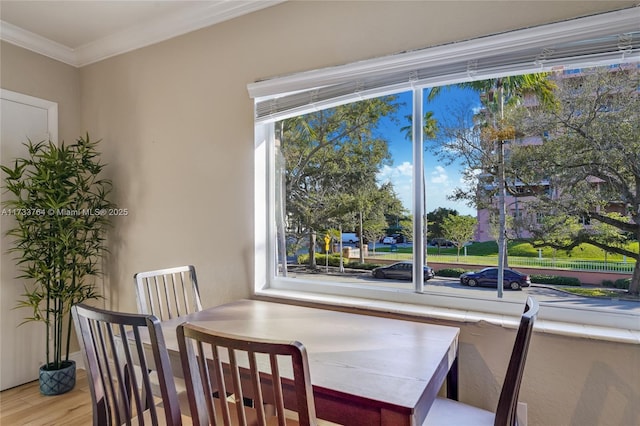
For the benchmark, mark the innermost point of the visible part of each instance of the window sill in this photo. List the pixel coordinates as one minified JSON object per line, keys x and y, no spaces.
{"x":450,"y":315}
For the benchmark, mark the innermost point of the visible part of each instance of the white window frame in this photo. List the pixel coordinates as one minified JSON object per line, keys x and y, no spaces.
{"x":265,"y":279}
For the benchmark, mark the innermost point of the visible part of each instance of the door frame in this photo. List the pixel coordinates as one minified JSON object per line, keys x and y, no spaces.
{"x":22,"y":368}
{"x":50,"y":106}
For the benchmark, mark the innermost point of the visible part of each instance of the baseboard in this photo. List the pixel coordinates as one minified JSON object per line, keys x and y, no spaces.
{"x":78,"y":358}
{"x":521,"y":413}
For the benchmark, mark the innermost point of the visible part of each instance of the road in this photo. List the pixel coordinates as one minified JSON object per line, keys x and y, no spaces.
{"x":452,"y":286}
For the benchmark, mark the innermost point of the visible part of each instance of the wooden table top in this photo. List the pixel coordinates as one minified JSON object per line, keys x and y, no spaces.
{"x":363,"y":362}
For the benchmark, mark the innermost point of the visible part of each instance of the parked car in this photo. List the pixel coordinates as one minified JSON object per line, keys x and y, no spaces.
{"x":350,"y":238}
{"x":441,"y":242}
{"x":388,"y":240}
{"x":488,"y":277}
{"x":400,"y":271}
{"x":399,"y":238}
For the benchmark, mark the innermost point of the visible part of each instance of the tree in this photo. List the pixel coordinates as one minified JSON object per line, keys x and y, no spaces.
{"x":495,"y":229}
{"x":436,"y":217}
{"x":361,"y":203}
{"x":459,"y":230}
{"x":374,"y":229}
{"x":459,"y":141}
{"x":591,"y":155}
{"x":330,"y":160}
{"x":498,"y":92}
{"x":390,"y":205}
{"x":430,"y":126}
{"x":406,"y":228}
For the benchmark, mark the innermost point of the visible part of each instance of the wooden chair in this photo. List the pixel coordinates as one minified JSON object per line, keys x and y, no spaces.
{"x":265,"y":371}
{"x":118,"y":368}
{"x":168,"y":293}
{"x":446,"y":412}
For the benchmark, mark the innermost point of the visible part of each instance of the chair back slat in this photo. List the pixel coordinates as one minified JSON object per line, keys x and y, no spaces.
{"x":113,"y":389}
{"x":277,"y":389}
{"x":124,"y":377}
{"x":238,"y":394}
{"x":258,"y":399}
{"x":119,"y":365}
{"x":168,"y":293}
{"x":156,"y":295}
{"x":146,"y":398}
{"x":241,"y":370}
{"x":508,"y":403}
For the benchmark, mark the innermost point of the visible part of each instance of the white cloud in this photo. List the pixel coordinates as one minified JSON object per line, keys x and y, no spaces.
{"x":390,"y":174}
{"x":400,"y":176}
{"x":439,"y":186}
{"x":406,"y":169}
{"x":442,"y":182}
{"x":440,"y":176}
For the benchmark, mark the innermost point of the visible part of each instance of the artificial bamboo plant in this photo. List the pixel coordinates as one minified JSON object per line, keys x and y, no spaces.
{"x":62,"y":211}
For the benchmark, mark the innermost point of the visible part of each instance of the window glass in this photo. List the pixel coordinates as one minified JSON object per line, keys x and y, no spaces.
{"x":344,"y":202}
{"x":516,"y":156}
{"x":344,"y":189}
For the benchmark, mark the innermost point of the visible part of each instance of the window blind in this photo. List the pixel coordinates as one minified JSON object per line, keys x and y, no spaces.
{"x":595,"y":40}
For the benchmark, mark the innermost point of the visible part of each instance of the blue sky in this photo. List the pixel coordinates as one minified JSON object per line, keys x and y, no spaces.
{"x":441,"y":179}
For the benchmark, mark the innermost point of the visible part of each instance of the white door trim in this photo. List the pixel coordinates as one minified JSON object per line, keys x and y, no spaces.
{"x":51,"y":107}
{"x":22,"y":351}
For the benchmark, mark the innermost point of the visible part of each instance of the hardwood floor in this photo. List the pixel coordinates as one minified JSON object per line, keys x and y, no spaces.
{"x":24,"y":405}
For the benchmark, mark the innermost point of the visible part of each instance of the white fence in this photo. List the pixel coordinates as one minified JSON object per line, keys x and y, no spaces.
{"x":567,"y":264}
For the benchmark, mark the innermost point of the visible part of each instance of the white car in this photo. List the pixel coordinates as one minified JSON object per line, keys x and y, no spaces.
{"x":350,"y":238}
{"x":388,"y":240}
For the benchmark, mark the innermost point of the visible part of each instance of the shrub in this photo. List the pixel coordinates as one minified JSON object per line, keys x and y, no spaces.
{"x":334,"y":259}
{"x":555,"y":280}
{"x":365,"y":266}
{"x":451,"y":272}
{"x":608,"y":283}
{"x":622,"y":283}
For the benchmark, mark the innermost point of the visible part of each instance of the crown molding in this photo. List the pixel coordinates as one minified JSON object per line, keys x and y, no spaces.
{"x":199,"y":16}
{"x":31,"y":41}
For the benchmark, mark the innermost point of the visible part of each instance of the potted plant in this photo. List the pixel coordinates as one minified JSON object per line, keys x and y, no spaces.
{"x":62,"y":211}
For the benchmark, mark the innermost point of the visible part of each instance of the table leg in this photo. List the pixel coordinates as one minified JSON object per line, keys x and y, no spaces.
{"x":452,"y":381}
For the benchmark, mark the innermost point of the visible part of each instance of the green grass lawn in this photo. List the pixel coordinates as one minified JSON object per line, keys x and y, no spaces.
{"x":594,"y":292}
{"x":523,"y":248}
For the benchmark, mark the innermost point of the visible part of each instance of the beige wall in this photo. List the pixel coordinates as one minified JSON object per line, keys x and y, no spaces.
{"x":35,"y":75}
{"x":176,"y":122}
{"x":567,"y":380}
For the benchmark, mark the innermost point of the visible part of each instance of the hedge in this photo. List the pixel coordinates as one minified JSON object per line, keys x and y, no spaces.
{"x":321,"y":259}
{"x":555,"y":280}
{"x":622,"y":283}
{"x":451,"y":272}
{"x":334,"y":260}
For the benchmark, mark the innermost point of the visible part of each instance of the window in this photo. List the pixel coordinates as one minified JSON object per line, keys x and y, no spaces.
{"x":348,"y":117}
{"x":345,"y":185}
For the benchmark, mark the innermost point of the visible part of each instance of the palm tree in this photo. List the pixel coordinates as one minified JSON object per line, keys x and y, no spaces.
{"x":509,"y":90}
{"x":430,"y":126}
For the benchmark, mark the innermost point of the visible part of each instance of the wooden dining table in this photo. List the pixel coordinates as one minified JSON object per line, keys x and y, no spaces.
{"x":365,"y":370}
